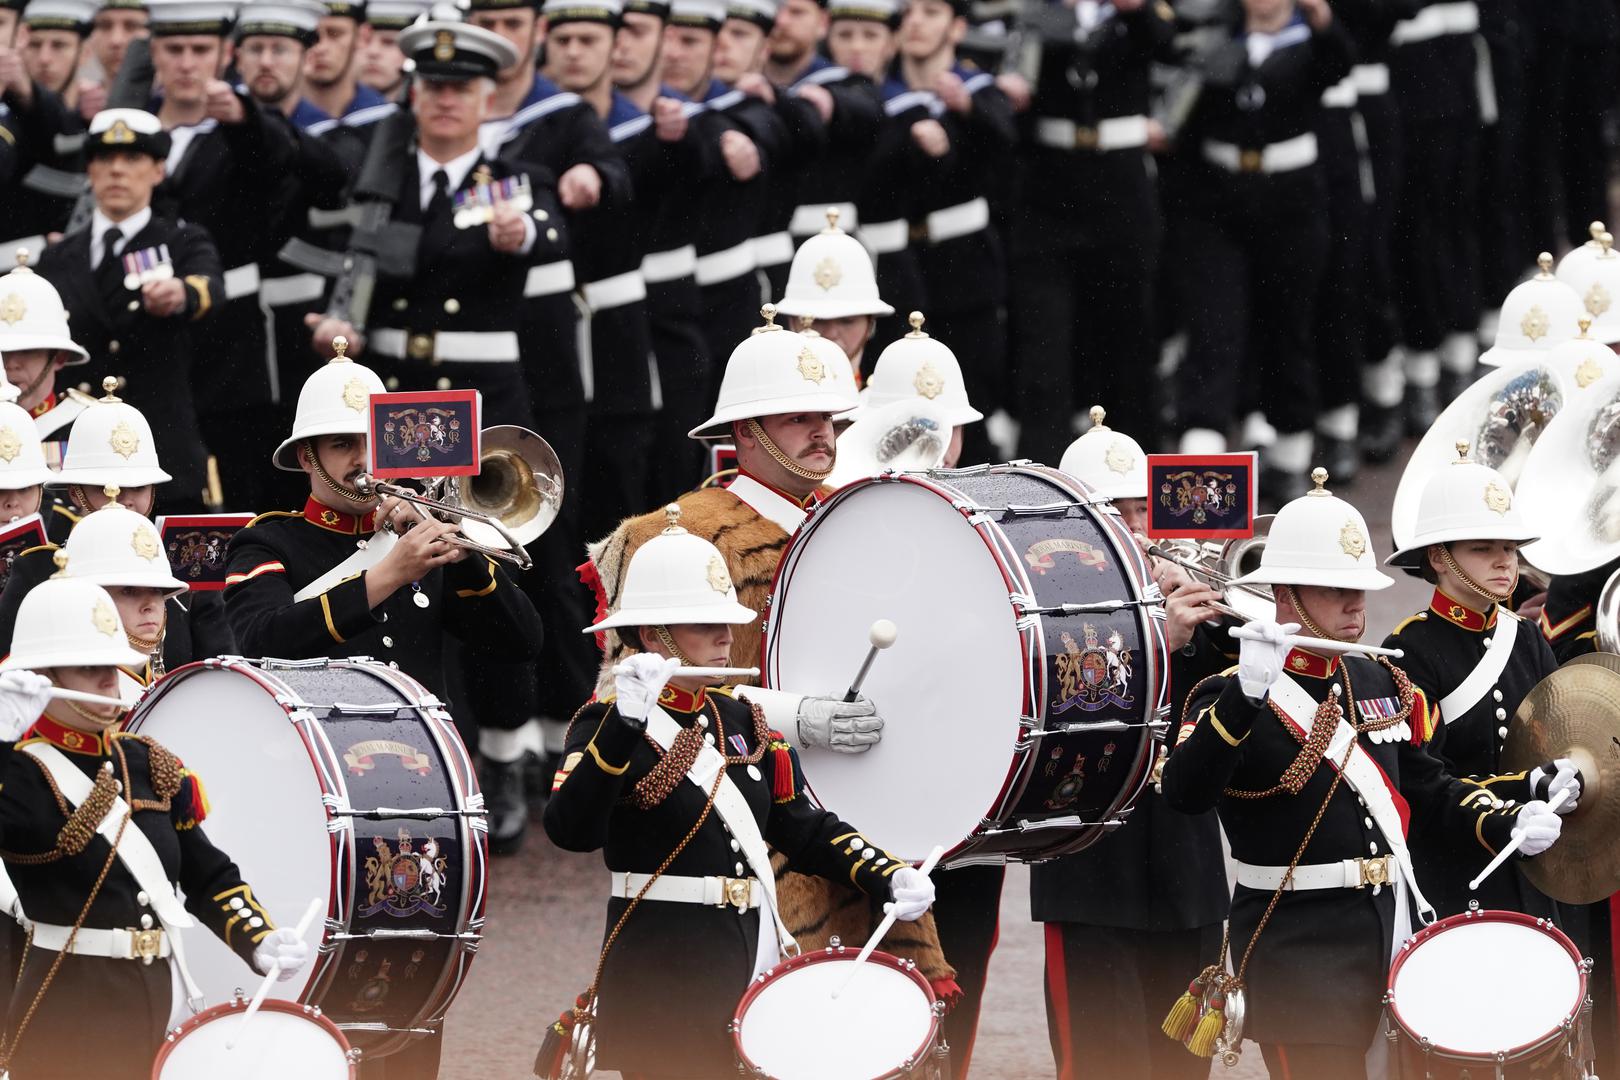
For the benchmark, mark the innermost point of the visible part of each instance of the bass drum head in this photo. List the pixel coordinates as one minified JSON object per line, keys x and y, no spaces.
{"x":1446,"y":985}
{"x":790,"y":1027}
{"x":280,"y":1040}
{"x":950,"y":689}
{"x":265,"y":808}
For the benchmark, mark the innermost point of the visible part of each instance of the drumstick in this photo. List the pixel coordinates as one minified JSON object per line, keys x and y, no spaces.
{"x":705,"y":672}
{"x":1518,"y":839}
{"x":881,"y":635}
{"x":883,"y":927}
{"x":1319,"y":644}
{"x":63,"y":694}
{"x":302,"y":928}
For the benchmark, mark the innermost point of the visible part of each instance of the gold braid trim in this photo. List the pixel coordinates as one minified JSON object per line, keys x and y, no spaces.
{"x":165,"y":768}
{"x":81,"y":825}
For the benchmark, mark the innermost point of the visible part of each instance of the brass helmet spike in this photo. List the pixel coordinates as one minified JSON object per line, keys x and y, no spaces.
{"x":1585,"y":323}
{"x":1319,"y":477}
{"x":768,"y":313}
{"x":806,"y":325}
{"x":832,"y":220}
{"x":1545,"y":261}
{"x":59,"y":557}
{"x":109,"y":385}
{"x":111,"y":491}
{"x":1462,"y":452}
{"x":1098,"y":414}
{"x":340,"y":350}
{"x":1596,"y":230}
{"x":22,"y":262}
{"x":1606,"y":241}
{"x":672,"y":520}
{"x":916,"y":321}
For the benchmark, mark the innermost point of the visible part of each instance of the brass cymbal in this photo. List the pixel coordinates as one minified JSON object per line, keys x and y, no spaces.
{"x":1575,"y":713}
{"x":1601,"y":659}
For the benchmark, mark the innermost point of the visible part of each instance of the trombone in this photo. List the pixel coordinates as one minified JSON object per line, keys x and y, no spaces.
{"x":515,"y":496}
{"x":1220,"y":565}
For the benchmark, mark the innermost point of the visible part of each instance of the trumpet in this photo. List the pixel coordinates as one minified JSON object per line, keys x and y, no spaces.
{"x":515,"y":496}
{"x":1220,"y":565}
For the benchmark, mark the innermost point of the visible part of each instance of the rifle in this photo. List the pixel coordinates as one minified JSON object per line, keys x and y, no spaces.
{"x":377,"y":240}
{"x":131,"y":89}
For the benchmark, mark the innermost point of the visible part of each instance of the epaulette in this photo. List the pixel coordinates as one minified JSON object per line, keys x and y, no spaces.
{"x":1421,"y":616}
{"x":273,"y":514}
{"x":58,"y":508}
{"x":37,"y":547}
{"x":724,"y":691}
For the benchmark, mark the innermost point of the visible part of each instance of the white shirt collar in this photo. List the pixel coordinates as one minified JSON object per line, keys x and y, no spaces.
{"x":456,"y":169}
{"x":130,"y":227}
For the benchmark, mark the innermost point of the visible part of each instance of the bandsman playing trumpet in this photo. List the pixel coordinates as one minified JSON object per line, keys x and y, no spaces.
{"x":1316,"y":760}
{"x":1474,"y":661}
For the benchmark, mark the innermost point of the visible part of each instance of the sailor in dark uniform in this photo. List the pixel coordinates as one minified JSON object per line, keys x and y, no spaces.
{"x":675,"y":966}
{"x":138,"y":284}
{"x":103,"y":918}
{"x":1325,"y":883}
{"x":1568,"y":619}
{"x":35,"y":349}
{"x":1474,"y":660}
{"x":382,"y":65}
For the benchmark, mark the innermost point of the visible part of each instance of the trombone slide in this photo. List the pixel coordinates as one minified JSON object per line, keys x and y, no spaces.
{"x":1325,"y":644}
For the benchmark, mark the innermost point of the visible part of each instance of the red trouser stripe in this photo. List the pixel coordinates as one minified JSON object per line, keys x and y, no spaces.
{"x":1057,"y":987}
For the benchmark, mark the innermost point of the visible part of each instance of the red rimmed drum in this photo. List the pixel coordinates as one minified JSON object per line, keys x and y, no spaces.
{"x":1454,"y":1015}
{"x":282,"y":1039}
{"x":1025,"y":694}
{"x":883,"y":1025}
{"x":344,"y":780}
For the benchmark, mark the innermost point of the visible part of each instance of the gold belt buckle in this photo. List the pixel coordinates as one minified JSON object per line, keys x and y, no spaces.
{"x":1374,"y":872}
{"x":736,"y":892}
{"x":1085,"y":138}
{"x":420,"y":347}
{"x":1250,"y":161}
{"x":145,"y":945}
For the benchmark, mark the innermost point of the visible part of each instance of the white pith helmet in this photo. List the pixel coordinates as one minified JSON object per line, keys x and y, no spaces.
{"x":676,"y":578}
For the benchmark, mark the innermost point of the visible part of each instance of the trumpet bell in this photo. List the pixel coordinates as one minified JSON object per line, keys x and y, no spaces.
{"x":519,"y":482}
{"x":1606,"y":615}
{"x":1571,"y":484}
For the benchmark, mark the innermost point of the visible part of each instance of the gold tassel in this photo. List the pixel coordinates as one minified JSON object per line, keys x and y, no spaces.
{"x":1178,"y":1023}
{"x":1210,"y":1026}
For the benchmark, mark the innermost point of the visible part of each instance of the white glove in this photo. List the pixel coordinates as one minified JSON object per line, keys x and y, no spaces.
{"x":1263,"y":650}
{"x":1540,"y":827}
{"x":23,"y":697}
{"x":913,"y":894}
{"x":639,"y":680}
{"x":1546,"y":781}
{"x":283,"y":947}
{"x":849,"y":727}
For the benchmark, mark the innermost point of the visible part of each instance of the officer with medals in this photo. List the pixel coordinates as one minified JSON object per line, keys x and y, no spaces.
{"x":136,"y":282}
{"x":1127,"y":918}
{"x":99,"y":828}
{"x":635,"y":779}
{"x":1474,"y":661}
{"x":1308,"y":754}
{"x":35,"y":346}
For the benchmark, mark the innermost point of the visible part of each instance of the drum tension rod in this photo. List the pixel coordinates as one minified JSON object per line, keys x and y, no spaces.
{"x":1028,"y":606}
{"x":404,"y":935}
{"x":421,"y":813}
{"x":1101,"y":725}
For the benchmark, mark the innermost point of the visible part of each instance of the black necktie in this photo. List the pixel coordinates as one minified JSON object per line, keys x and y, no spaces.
{"x":109,"y":272}
{"x":439,"y":204}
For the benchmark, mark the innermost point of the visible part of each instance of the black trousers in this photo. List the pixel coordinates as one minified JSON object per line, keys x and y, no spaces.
{"x":1107,"y":992}
{"x":1083,"y":336}
{"x":568,"y":659}
{"x":128,"y":1000}
{"x":686,"y":372}
{"x":1341,"y":302}
{"x":1436,"y":241}
{"x":618,"y":470}
{"x":1250,"y":274}
{"x":967,"y":912}
{"x":1509,"y":191}
{"x":978,"y":337}
{"x":730,"y":313}
{"x":418,"y":1061}
{"x":1383,"y":326}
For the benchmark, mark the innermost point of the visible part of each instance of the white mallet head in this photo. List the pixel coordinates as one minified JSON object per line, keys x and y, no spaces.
{"x":882,"y":634}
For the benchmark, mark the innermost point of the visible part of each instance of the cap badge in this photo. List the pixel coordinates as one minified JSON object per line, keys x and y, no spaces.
{"x":356,"y":394}
{"x":10,"y":445}
{"x":1299,"y":663}
{"x":1351,"y":542}
{"x":145,"y":544}
{"x":123,"y":440}
{"x":1597,"y":299}
{"x":719,"y":577}
{"x":1535,"y":323}
{"x":117,"y":135}
{"x":929,"y":382}
{"x":1119,"y":458}
{"x":13,"y":309}
{"x":1588,"y":373}
{"x":828,"y":273}
{"x":444,"y":46}
{"x":810,"y":366}
{"x":104,"y":618}
{"x":1498,"y":498}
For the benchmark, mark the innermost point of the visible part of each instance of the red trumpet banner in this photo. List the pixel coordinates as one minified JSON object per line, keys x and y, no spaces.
{"x":1202,"y":496}
{"x":196,"y":545}
{"x":415,"y":435}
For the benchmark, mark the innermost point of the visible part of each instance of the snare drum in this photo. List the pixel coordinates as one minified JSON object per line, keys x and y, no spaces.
{"x":282,"y":1039}
{"x":1488,"y":994}
{"x":1025,"y":694}
{"x":344,"y":780}
{"x":885,"y":1024}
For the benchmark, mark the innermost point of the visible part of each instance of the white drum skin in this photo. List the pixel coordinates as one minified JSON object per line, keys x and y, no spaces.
{"x":282,"y":1039}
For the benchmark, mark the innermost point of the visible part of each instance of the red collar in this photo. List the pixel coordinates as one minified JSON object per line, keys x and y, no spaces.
{"x":72,"y":739}
{"x":1465,"y":617}
{"x":323,"y":516}
{"x":43,"y":407}
{"x":674,"y":699}
{"x":803,"y":504}
{"x":1317,"y":666}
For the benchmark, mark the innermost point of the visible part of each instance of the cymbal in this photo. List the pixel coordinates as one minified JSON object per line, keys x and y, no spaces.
{"x":1573,"y":713}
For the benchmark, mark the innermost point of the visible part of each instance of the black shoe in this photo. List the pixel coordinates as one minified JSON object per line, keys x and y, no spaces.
{"x":1451,"y":384}
{"x":1279,"y":487}
{"x":1340,"y":457}
{"x":506,"y":800}
{"x":1422,"y":409}
{"x":1379,"y":433}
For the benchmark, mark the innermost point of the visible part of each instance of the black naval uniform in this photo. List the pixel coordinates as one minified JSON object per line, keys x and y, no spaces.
{"x":1127,"y":920}
{"x":1569,"y":617}
{"x":103,"y":1017}
{"x":52,"y":178}
{"x":674,"y":975}
{"x":1442,"y":646}
{"x":1318,"y":975}
{"x":158,"y":356}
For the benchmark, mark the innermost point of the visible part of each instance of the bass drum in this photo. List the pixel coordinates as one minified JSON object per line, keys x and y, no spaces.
{"x":1025,"y":695}
{"x":343,"y":780}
